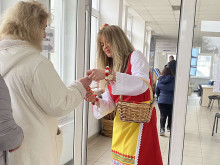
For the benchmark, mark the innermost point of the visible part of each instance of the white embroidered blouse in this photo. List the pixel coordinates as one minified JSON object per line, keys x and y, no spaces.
{"x":125,"y":84}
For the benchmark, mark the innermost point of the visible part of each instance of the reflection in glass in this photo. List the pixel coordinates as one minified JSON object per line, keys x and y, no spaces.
{"x":204,"y":66}
{"x":63,"y":59}
{"x":193,"y":71}
{"x":152,"y":25}
{"x":210,"y":26}
{"x":200,"y":147}
{"x":193,"y":61}
{"x":94,"y":29}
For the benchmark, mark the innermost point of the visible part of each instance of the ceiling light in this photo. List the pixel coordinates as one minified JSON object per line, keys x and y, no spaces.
{"x":210,"y":26}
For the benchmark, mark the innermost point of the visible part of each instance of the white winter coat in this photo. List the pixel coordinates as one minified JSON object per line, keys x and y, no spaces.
{"x":38,"y":97}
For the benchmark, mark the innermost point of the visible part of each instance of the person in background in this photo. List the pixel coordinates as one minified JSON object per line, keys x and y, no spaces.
{"x":11,"y":135}
{"x":172,"y":65}
{"x":38,"y":95}
{"x":122,"y":67}
{"x":165,"y":94}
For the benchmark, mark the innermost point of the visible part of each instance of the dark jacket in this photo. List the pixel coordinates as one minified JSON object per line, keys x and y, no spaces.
{"x":11,"y":135}
{"x":172,"y":66}
{"x":165,"y":89}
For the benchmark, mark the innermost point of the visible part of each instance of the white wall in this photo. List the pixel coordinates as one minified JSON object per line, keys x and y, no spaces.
{"x":138,"y":30}
{"x":109,"y":11}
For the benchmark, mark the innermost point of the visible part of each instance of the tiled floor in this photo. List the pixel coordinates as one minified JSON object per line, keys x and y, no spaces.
{"x":200,"y":148}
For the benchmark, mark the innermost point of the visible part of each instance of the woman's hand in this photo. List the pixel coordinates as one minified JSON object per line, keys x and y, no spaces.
{"x":90,"y":97}
{"x":85,"y":82}
{"x":96,"y":74}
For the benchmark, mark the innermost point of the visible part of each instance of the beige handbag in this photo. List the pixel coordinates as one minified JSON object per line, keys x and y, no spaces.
{"x":136,"y":112}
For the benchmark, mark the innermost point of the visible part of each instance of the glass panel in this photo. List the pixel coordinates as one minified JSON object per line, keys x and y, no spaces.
{"x":193,"y":71}
{"x":62,"y":55}
{"x":163,"y":24}
{"x":204,"y":66}
{"x":129,"y":27}
{"x":95,"y":4}
{"x":94,"y":29}
{"x":194,"y":61}
{"x":195,"y":52}
{"x":93,"y":58}
{"x":129,"y":24}
{"x":200,"y":147}
{"x":64,"y":15}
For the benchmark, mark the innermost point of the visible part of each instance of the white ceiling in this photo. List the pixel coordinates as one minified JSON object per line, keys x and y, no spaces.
{"x":164,"y":21}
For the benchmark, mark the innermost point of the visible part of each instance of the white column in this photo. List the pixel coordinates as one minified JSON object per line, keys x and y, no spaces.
{"x":125,"y":18}
{"x":85,"y":109}
{"x":148,"y":45}
{"x":80,"y":53}
{"x":145,"y":41}
{"x":182,"y":78}
{"x":120,"y":13}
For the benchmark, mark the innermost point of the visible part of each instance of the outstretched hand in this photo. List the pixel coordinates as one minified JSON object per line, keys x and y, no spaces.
{"x":85,"y":82}
{"x":96,"y":74}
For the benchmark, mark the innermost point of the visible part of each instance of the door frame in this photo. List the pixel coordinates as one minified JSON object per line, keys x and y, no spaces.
{"x":185,"y":40}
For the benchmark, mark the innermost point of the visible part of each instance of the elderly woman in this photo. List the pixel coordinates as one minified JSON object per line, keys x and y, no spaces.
{"x":38,"y":95}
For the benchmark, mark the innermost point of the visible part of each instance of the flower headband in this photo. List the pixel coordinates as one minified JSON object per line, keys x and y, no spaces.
{"x":101,"y":27}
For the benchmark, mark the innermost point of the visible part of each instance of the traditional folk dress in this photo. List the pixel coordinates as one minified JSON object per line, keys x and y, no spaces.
{"x":132,"y":143}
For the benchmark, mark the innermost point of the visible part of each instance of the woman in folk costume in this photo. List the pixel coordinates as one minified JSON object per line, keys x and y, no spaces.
{"x":132,"y":143}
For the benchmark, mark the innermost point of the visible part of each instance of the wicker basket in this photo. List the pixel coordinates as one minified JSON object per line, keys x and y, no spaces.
{"x":107,"y":127}
{"x":136,"y":112}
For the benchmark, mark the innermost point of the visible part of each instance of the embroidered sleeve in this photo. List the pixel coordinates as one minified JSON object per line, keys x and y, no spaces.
{"x":132,"y":85}
{"x":107,"y":105}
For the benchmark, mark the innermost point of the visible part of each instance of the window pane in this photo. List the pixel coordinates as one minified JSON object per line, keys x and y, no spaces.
{"x":192,"y":71}
{"x":64,"y":24}
{"x":94,"y":29}
{"x":193,"y":61}
{"x":129,"y":24}
{"x":204,"y":66}
{"x":195,"y":52}
{"x":95,"y":4}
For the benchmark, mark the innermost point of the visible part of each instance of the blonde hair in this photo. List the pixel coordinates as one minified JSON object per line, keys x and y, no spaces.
{"x":24,"y":21}
{"x":121,"y":48}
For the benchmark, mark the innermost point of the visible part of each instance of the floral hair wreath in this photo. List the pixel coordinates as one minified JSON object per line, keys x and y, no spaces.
{"x":102,"y":26}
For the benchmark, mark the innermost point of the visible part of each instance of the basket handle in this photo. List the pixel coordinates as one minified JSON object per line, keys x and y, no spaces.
{"x":149,"y":86}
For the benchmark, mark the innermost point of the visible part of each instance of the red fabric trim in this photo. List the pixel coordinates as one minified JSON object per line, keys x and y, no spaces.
{"x":149,"y":152}
{"x":126,"y":156}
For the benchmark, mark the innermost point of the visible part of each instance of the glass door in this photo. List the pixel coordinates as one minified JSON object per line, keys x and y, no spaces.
{"x":63,"y":29}
{"x":202,"y":138}
{"x":60,"y":48}
{"x":181,"y":81}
